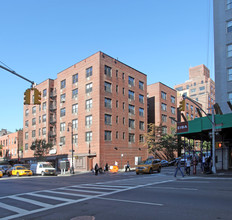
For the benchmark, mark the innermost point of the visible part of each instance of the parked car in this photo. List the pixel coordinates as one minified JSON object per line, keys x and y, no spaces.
{"x":149,"y":166}
{"x":164,"y":163}
{"x":19,"y":171}
{"x":4,"y":168}
{"x":43,"y":168}
{"x":26,"y":165}
{"x":1,"y":174}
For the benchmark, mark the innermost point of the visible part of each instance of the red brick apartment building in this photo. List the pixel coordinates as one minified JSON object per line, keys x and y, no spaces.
{"x":103,"y":103}
{"x":162,"y":107}
{"x":11,"y":144}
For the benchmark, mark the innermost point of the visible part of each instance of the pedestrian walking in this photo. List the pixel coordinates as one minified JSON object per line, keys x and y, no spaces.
{"x":178,"y":167}
{"x":188,"y":165}
{"x":203,"y":163}
{"x":106,"y":167}
{"x":127,"y":166}
{"x":96,"y":168}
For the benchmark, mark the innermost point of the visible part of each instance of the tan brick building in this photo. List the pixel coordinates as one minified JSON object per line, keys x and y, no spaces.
{"x":12,"y":144}
{"x":103,"y":102}
{"x":200,"y":87}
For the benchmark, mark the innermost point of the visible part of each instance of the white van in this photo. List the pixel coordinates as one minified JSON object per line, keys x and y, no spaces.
{"x":43,"y":168}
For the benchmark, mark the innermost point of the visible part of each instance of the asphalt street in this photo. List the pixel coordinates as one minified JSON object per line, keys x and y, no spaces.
{"x":117,"y":196}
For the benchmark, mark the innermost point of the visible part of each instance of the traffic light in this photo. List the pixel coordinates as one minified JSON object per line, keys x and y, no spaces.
{"x":27,"y":97}
{"x":182,"y":105}
{"x":37,"y":97}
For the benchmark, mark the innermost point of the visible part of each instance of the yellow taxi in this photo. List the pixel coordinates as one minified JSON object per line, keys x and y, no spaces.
{"x":1,"y":173}
{"x":149,"y":166}
{"x":19,"y":171}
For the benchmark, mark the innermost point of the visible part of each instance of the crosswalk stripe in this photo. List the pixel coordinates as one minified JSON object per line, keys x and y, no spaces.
{"x":97,"y":187}
{"x":51,"y":197}
{"x":31,"y":201}
{"x":106,"y":186}
{"x":80,"y":190}
{"x":70,"y":194}
{"x":13,"y":208}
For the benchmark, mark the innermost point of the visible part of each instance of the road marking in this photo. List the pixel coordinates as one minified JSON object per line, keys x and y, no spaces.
{"x":80,"y":190}
{"x":68,"y":194}
{"x":50,"y":197}
{"x":190,"y":181}
{"x":14,"y":209}
{"x":130,"y":201}
{"x":106,"y":185}
{"x":31,"y":201}
{"x":175,"y":188}
{"x":97,"y":187}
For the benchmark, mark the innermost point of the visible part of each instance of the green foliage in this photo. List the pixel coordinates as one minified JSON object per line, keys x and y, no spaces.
{"x":40,"y":148}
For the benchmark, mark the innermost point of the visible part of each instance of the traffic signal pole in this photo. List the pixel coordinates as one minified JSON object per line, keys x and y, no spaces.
{"x":13,"y":72}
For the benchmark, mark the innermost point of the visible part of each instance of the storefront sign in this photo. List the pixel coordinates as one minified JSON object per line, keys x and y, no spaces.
{"x":182,"y":127}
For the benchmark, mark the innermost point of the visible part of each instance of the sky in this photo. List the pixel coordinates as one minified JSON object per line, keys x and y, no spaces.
{"x":38,"y":39}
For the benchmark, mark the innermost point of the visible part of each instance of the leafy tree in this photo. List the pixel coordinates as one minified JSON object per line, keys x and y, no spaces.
{"x":40,"y":148}
{"x":153,"y":136}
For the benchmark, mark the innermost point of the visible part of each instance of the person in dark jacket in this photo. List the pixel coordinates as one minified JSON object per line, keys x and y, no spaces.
{"x":96,"y":168}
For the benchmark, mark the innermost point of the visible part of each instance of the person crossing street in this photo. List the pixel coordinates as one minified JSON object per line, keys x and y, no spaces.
{"x":178,"y":167}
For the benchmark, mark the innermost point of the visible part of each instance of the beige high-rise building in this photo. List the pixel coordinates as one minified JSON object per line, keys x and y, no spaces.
{"x":200,"y":87}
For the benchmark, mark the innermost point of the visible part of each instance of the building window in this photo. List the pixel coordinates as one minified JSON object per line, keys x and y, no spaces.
{"x":123,"y":91}
{"x":88,"y":120}
{"x":141,"y":125}
{"x":74,"y":93}
{"x":117,"y":119}
{"x":39,"y":131}
{"x":108,"y":119}
{"x":131,"y":123}
{"x":33,"y":121}
{"x":173,"y":99}
{"x":108,"y":87}
{"x":62,"y":140}
{"x":230,"y":74}
{"x":179,"y":88}
{"x":187,"y":106}
{"x":141,"y":85}
{"x":74,"y":108}
{"x":229,"y":4}
{"x":187,"y":87}
{"x":88,"y":136}
{"x":123,"y":135}
{"x":26,"y":124}
{"x":62,"y":126}
{"x":229,"y":50}
{"x":75,"y":124}
{"x":123,"y":76}
{"x":131,"y":137}
{"x":131,"y":81}
{"x":44,"y":118}
{"x":173,"y":110}
{"x":33,"y":109}
{"x":26,"y":146}
{"x":117,"y":88}
{"x":116,"y":73}
{"x":39,"y":119}
{"x":141,"y":98}
{"x":131,"y":95}
{"x":44,"y":92}
{"x":116,"y":134}
{"x":141,"y":112}
{"x":191,"y":108}
{"x":62,"y":98}
{"x":26,"y":112}
{"x":44,"y":106}
{"x":75,"y":138}
{"x":191,"y":116}
{"x":108,"y":71}
{"x":123,"y":120}
{"x":164,"y":107}
{"x":108,"y":103}
{"x":63,"y":84}
{"x":44,"y":131}
{"x":33,"y":133}
{"x":26,"y":136}
{"x":62,"y":112}
{"x":116,"y":103}
{"x":230,"y":97}
{"x":89,"y":72}
{"x":131,"y":109}
{"x":201,"y":88}
{"x":141,"y":138}
{"x":88,"y":88}
{"x":164,"y":130}
{"x":173,"y":121}
{"x":164,"y":118}
{"x":75,"y":78}
{"x":88,"y":104}
{"x":193,"y":90}
{"x":108,"y":135}
{"x":163,"y":95}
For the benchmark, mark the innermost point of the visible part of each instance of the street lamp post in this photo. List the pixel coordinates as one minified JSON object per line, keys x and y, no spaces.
{"x":71,"y":125}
